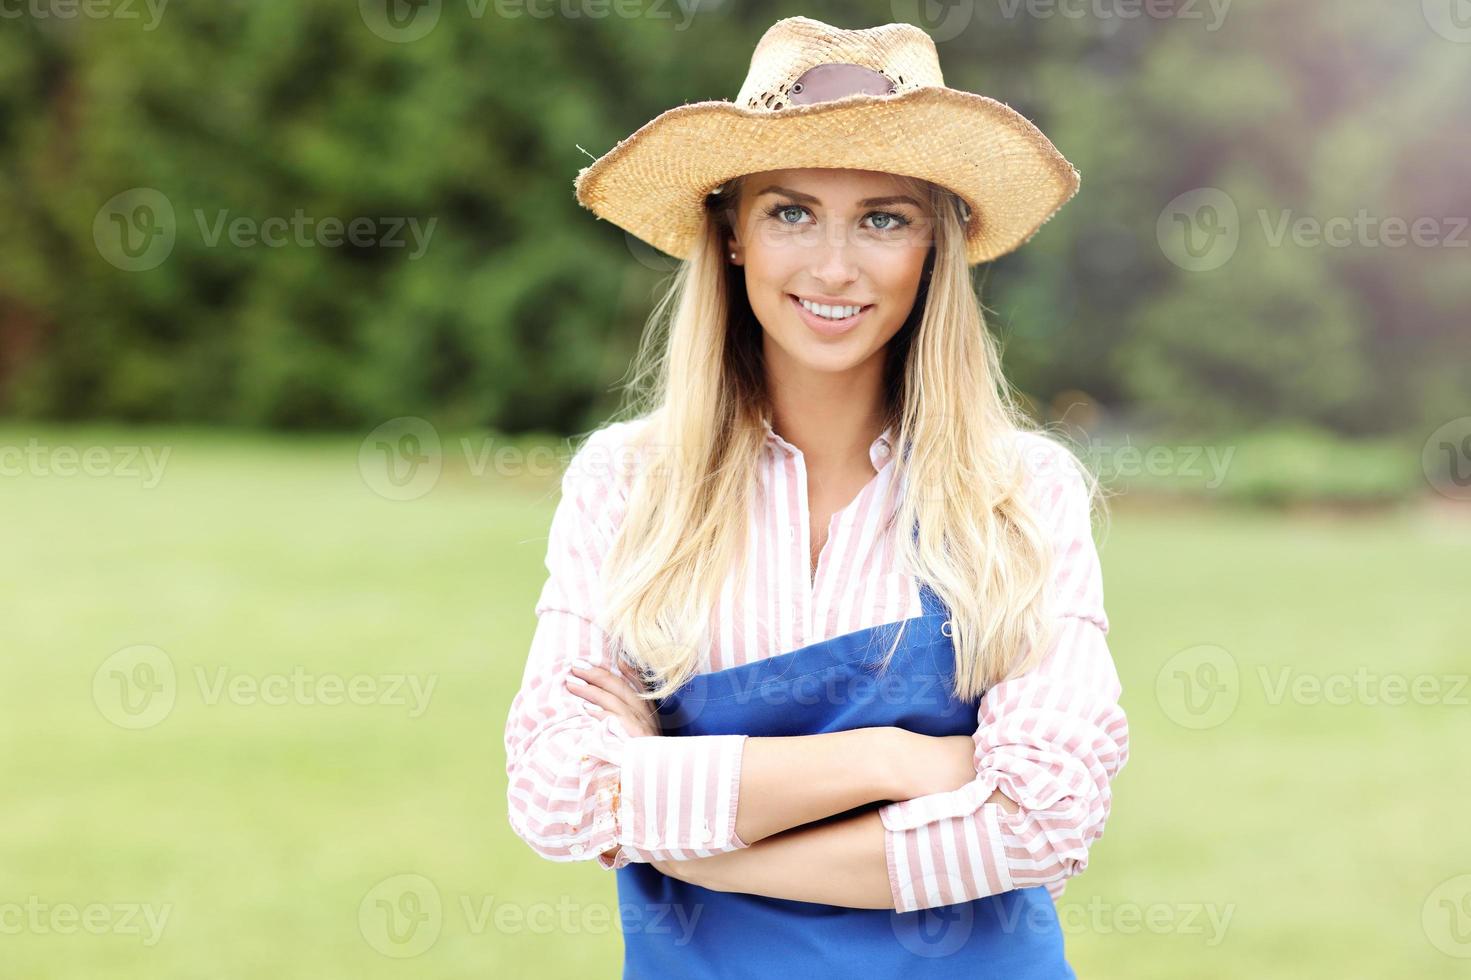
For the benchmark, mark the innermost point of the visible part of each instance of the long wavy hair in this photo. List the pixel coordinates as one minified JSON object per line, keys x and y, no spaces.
{"x":700,"y":395}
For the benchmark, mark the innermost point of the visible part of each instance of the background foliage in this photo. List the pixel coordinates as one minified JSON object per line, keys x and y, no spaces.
{"x":523,"y":309}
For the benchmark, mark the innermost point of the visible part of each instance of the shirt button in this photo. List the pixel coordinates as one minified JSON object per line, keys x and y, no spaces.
{"x":883,"y":449}
{"x":705,"y":833}
{"x":577,"y":849}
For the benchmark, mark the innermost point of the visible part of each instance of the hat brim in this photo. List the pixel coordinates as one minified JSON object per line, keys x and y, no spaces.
{"x":653,"y":183}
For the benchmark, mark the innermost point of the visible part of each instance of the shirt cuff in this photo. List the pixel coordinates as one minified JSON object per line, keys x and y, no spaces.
{"x":953,"y":860}
{"x":674,"y":796}
{"x":911,"y":813}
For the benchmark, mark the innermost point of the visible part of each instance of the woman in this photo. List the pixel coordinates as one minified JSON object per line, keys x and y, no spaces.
{"x":822,"y":646}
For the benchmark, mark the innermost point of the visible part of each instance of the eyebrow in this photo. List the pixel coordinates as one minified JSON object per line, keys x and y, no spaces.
{"x":870,"y":202}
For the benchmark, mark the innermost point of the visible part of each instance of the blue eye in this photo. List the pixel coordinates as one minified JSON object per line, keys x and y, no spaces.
{"x":889,"y":220}
{"x":780,"y":209}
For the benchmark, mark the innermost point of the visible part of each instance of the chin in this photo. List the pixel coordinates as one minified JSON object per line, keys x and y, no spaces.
{"x":827,"y":358}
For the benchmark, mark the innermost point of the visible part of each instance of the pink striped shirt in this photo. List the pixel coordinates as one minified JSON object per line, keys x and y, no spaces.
{"x":1052,"y":739}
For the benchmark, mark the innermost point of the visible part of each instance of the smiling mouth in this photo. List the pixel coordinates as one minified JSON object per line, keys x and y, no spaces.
{"x":827,"y":324}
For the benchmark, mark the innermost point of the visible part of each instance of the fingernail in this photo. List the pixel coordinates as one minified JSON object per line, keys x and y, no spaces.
{"x":579,"y":662}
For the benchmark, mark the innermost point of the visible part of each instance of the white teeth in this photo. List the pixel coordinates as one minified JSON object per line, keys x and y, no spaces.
{"x":830,"y":312}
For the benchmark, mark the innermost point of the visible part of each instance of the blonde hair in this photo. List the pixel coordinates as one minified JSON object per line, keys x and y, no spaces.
{"x":700,"y":393}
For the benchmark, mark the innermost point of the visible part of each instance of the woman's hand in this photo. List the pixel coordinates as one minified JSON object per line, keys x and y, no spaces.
{"x":703,"y":872}
{"x":615,"y":694}
{"x":924,"y":764}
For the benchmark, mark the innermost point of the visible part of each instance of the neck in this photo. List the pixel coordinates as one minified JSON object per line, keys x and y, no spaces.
{"x":833,"y":417}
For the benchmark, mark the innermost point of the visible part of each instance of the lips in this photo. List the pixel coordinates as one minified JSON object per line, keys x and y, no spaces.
{"x":824,"y":326}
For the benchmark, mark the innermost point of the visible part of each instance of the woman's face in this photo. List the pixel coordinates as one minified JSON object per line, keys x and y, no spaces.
{"x":836,"y":238}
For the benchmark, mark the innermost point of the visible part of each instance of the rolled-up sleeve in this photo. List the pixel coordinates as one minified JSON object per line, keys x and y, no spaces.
{"x":1052,"y":739}
{"x":579,"y":786}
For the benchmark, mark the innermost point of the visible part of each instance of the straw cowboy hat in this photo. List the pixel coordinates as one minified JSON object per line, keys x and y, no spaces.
{"x":820,"y":96}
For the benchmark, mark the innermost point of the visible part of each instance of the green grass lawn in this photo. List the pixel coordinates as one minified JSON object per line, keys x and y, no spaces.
{"x":267,"y":816}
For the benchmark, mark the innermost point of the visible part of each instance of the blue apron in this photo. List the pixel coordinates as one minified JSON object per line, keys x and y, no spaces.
{"x":673,"y":930}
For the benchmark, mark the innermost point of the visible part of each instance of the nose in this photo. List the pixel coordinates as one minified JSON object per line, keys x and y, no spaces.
{"x":836,"y":265}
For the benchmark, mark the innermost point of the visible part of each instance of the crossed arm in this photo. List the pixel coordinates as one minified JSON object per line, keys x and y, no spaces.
{"x":790,"y":786}
{"x":840,"y":862}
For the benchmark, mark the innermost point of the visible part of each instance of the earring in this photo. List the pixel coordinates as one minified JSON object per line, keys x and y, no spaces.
{"x":732,"y":256}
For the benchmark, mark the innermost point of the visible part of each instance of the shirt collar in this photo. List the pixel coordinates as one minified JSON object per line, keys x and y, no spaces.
{"x":880,"y":451}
